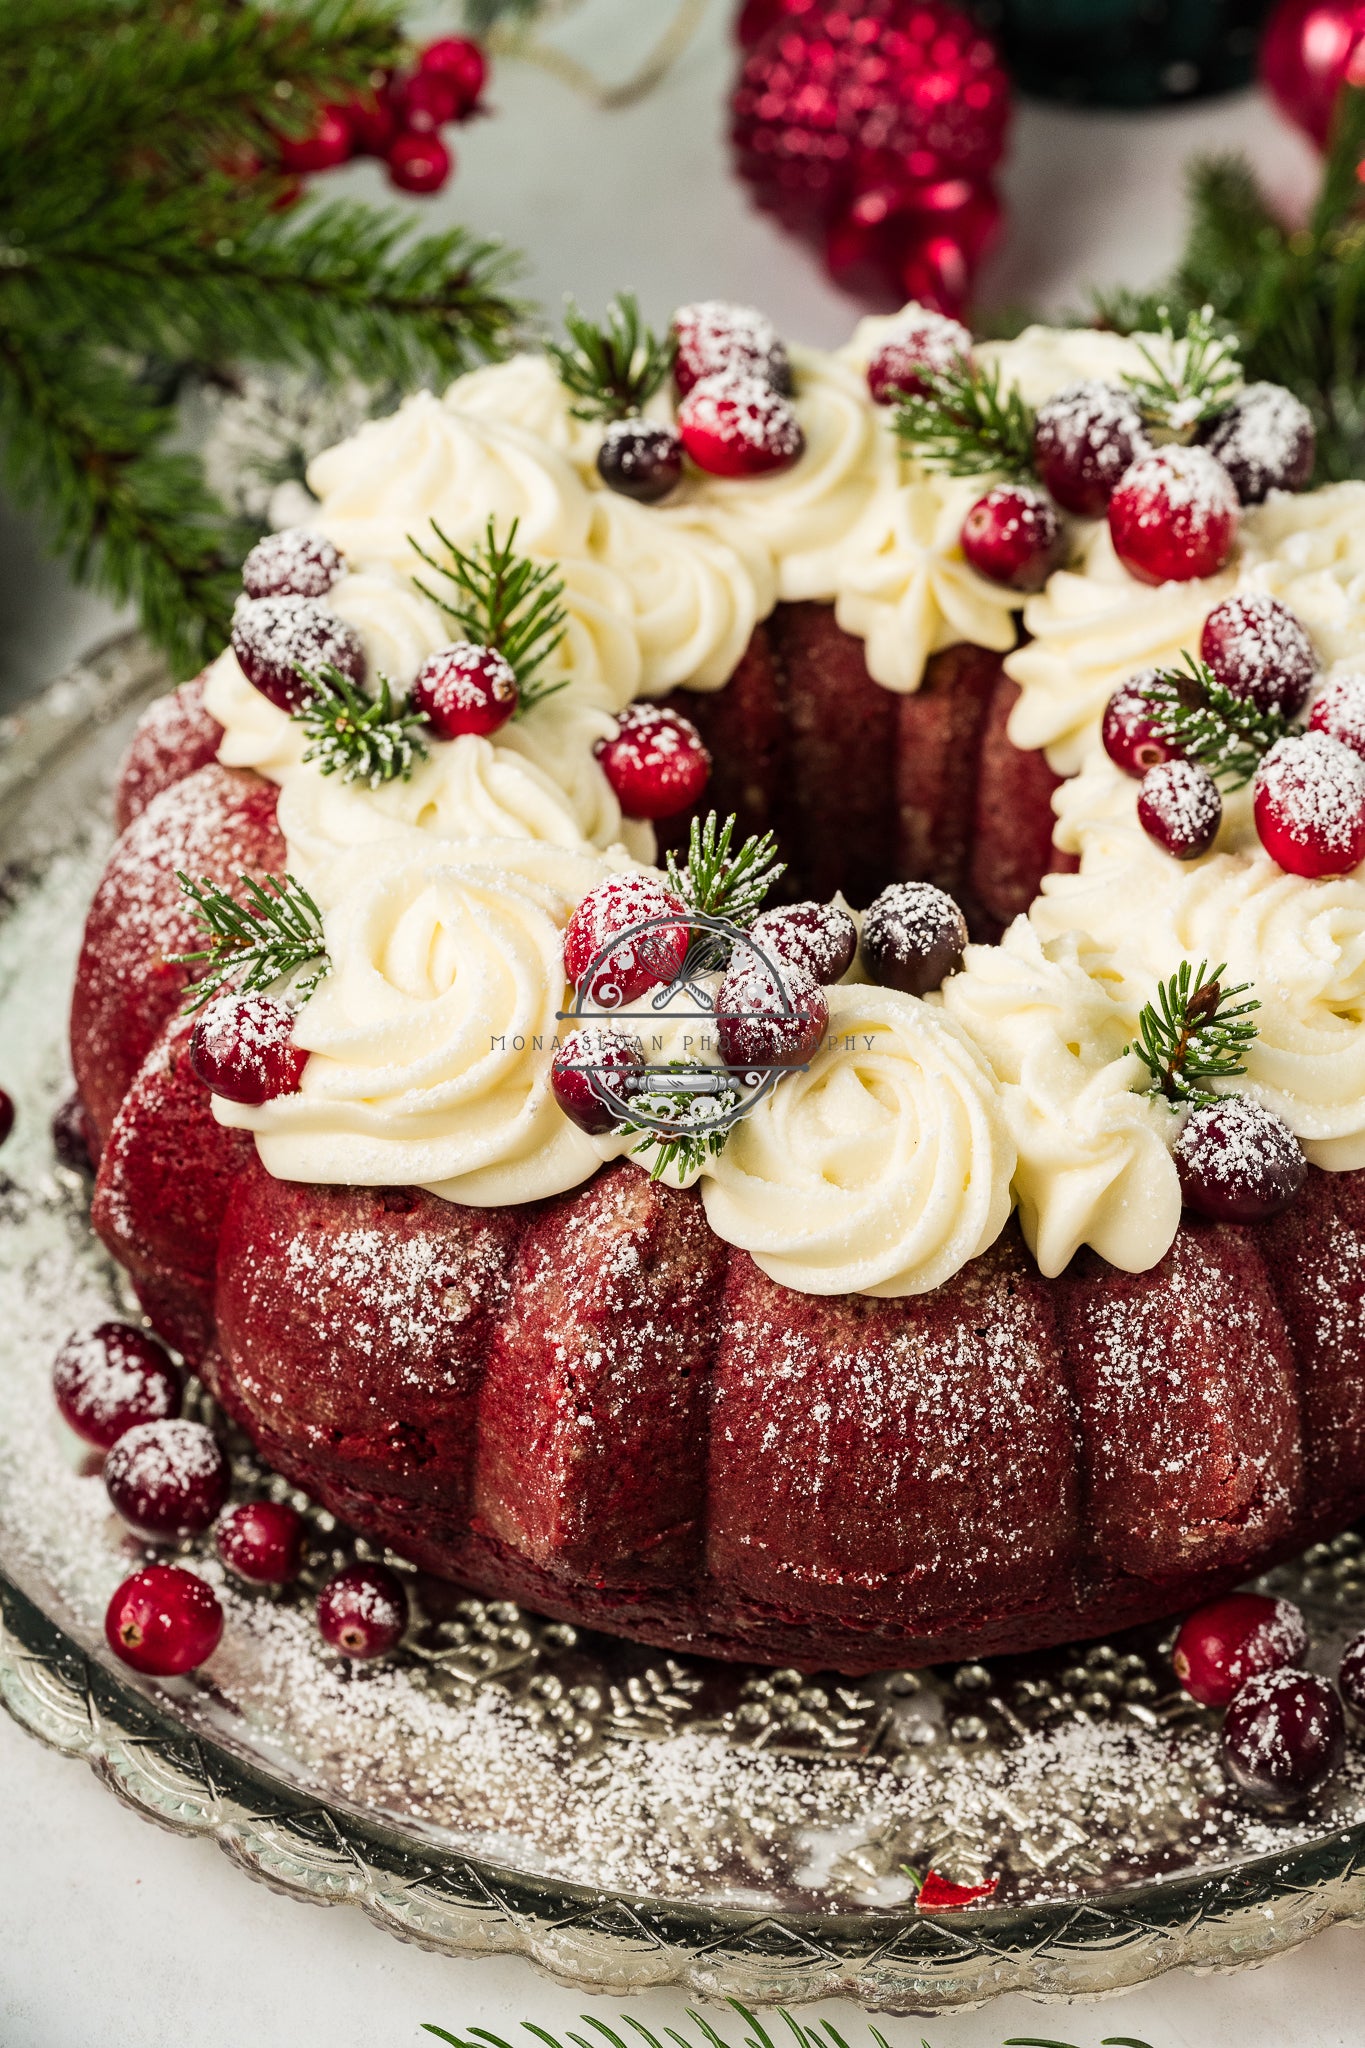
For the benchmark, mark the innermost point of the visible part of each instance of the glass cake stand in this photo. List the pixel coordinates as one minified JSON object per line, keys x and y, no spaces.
{"x":623,"y":1818}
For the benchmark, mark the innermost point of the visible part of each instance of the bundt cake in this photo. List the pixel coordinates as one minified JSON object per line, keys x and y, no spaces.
{"x":1030,"y":1302}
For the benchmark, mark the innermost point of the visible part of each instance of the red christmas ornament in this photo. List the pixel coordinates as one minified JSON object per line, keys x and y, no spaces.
{"x":873,"y":131}
{"x":1311,"y":49}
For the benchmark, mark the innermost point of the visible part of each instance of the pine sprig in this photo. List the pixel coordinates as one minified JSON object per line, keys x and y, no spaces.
{"x":613,"y":368}
{"x":363,"y":739}
{"x":964,"y":424}
{"x":1227,"y":734}
{"x":715,"y":882}
{"x":1198,"y":379}
{"x":274,"y":935}
{"x":1195,"y":1031}
{"x":697,"y":1121}
{"x":501,"y":599}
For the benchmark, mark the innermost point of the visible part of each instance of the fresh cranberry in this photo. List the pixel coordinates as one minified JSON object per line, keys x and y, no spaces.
{"x":1283,"y":1736}
{"x":583,"y":1055}
{"x":717,"y":339}
{"x":242,"y":1048}
{"x":71,"y":1136}
{"x":1221,"y":1646}
{"x":1238,"y":1162}
{"x":461,"y":64}
{"x":6,"y":1114}
{"x":767,"y":1019}
{"x":425,"y":102}
{"x":1084,"y":439}
{"x":656,"y":763}
{"x":465,"y":688}
{"x":418,"y":163}
{"x":262,"y":1541}
{"x":1173,"y":516}
{"x":1339,"y":711}
{"x":913,"y":936}
{"x":609,"y":959}
{"x":164,"y":1621}
{"x":1011,"y":535}
{"x":1351,"y":1676}
{"x":1133,"y":733}
{"x":327,"y":144}
{"x":1258,"y":650}
{"x":922,"y":343}
{"x":168,"y":1480}
{"x":736,"y":425}
{"x":820,"y":937}
{"x":363,"y":1611}
{"x":640,"y":460}
{"x":1265,"y":441}
{"x":274,"y":637}
{"x":1179,"y":807}
{"x":1309,"y":804}
{"x":109,"y":1379}
{"x":295,"y":563}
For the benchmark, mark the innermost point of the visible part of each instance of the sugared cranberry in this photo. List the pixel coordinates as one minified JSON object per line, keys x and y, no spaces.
{"x":242,"y":1048}
{"x":1258,"y":650}
{"x":765,"y":1019}
{"x":6,"y":1114}
{"x":1238,"y":1162}
{"x":1084,"y":439}
{"x":1173,"y":516}
{"x":714,"y":339}
{"x":462,"y":64}
{"x":274,"y":637}
{"x":656,"y":763}
{"x":1340,"y":712}
{"x":913,"y":936}
{"x":1010,"y":536}
{"x":1179,"y":806}
{"x":1283,"y":1736}
{"x":625,"y":937}
{"x":167,"y":1479}
{"x":821,"y":937}
{"x":71,"y":1136}
{"x":1221,"y":1646}
{"x":583,"y":1055}
{"x":465,"y":688}
{"x":1133,"y":732}
{"x":294,"y":563}
{"x":262,"y":1541}
{"x":425,"y":102}
{"x":1351,"y":1676}
{"x":109,"y":1379}
{"x":923,"y":342}
{"x":640,"y":459}
{"x":327,"y":144}
{"x":1309,"y":804}
{"x":418,"y":163}
{"x":164,"y":1621}
{"x":363,"y":1611}
{"x":1265,"y":441}
{"x":733,"y":425}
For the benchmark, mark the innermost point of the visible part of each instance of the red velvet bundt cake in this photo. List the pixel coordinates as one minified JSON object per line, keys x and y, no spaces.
{"x":1025,"y":1297}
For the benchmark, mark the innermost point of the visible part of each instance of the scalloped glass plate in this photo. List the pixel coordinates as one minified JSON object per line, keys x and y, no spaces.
{"x":623,"y":1818}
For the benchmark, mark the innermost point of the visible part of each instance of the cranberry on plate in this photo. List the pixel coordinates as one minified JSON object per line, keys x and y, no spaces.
{"x":163,"y":1621}
{"x":1221,"y":1646}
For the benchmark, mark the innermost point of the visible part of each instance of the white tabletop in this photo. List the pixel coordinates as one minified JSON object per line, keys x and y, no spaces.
{"x":113,"y":1935}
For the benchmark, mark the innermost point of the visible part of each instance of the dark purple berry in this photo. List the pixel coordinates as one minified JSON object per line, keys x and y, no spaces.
{"x":108,"y":1380}
{"x":71,"y":1137}
{"x":913,"y":936}
{"x":768,"y":1020}
{"x":6,"y":1114}
{"x":1238,"y":1161}
{"x":168,"y":1480}
{"x":1133,"y":732}
{"x":1221,"y":1646}
{"x":1258,"y":650}
{"x":274,"y":637}
{"x":164,"y":1621}
{"x":640,"y":459}
{"x":1179,"y":806}
{"x":363,"y":1611}
{"x":1011,"y":536}
{"x":583,"y":1055}
{"x":821,"y":937}
{"x":1283,"y":1736}
{"x":1084,"y":439}
{"x":1265,"y":441}
{"x":1351,"y":1676}
{"x":242,"y":1048}
{"x":262,"y":1541}
{"x":295,"y":563}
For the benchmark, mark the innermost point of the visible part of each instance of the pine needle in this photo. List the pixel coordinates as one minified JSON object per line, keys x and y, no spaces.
{"x":717,"y":883}
{"x":1196,"y":383}
{"x":503,"y":600}
{"x":1209,"y":723}
{"x":964,"y":424}
{"x":275,"y":935}
{"x":362,"y":739}
{"x":1195,"y":1031}
{"x":613,"y":368}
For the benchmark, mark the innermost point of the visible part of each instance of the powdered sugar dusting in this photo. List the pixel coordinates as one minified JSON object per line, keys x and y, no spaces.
{"x":1316,"y":788}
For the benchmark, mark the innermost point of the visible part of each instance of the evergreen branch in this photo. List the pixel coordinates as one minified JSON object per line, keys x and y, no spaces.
{"x":1225,"y":733}
{"x":502,"y":600}
{"x":613,"y":369}
{"x":1199,"y":381}
{"x":820,"y":2034}
{"x":694,"y":1129}
{"x":360,"y":738}
{"x":1195,"y":1031}
{"x":716,"y":883}
{"x":964,"y":424}
{"x":276,"y":933}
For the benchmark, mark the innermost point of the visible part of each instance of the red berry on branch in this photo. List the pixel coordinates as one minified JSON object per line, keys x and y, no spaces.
{"x":109,"y":1379}
{"x":767,"y":1019}
{"x":820,"y":937}
{"x":1084,"y":439}
{"x":262,"y":1541}
{"x":294,"y":563}
{"x":714,"y":338}
{"x":274,"y":637}
{"x":363,"y":1611}
{"x":625,"y":937}
{"x":1258,"y":650}
{"x":425,"y":102}
{"x":242,"y":1048}
{"x":1221,"y":1646}
{"x":734,"y":425}
{"x":168,"y":1480}
{"x":657,"y":762}
{"x":461,"y":64}
{"x":328,"y":143}
{"x":1173,"y":516}
{"x":1339,"y":711}
{"x":924,"y":342}
{"x":1238,"y":1162}
{"x":1284,"y":1736}
{"x":419,"y":163}
{"x":465,"y":689}
{"x":913,"y":937}
{"x":1309,"y":804}
{"x":1132,"y":731}
{"x":1265,"y":441}
{"x":584,"y":1054}
{"x":1179,"y":807}
{"x":373,"y":116}
{"x":1011,"y":536}
{"x":164,"y":1621}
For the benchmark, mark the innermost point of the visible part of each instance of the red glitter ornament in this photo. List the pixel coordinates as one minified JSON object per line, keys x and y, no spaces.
{"x":1311,"y":49}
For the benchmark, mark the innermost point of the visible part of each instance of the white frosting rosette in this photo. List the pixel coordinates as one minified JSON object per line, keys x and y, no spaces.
{"x":526,"y":390}
{"x":697,"y":584}
{"x":882,"y":1168}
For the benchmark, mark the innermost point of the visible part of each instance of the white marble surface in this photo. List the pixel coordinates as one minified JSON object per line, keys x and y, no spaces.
{"x":114,"y":1934}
